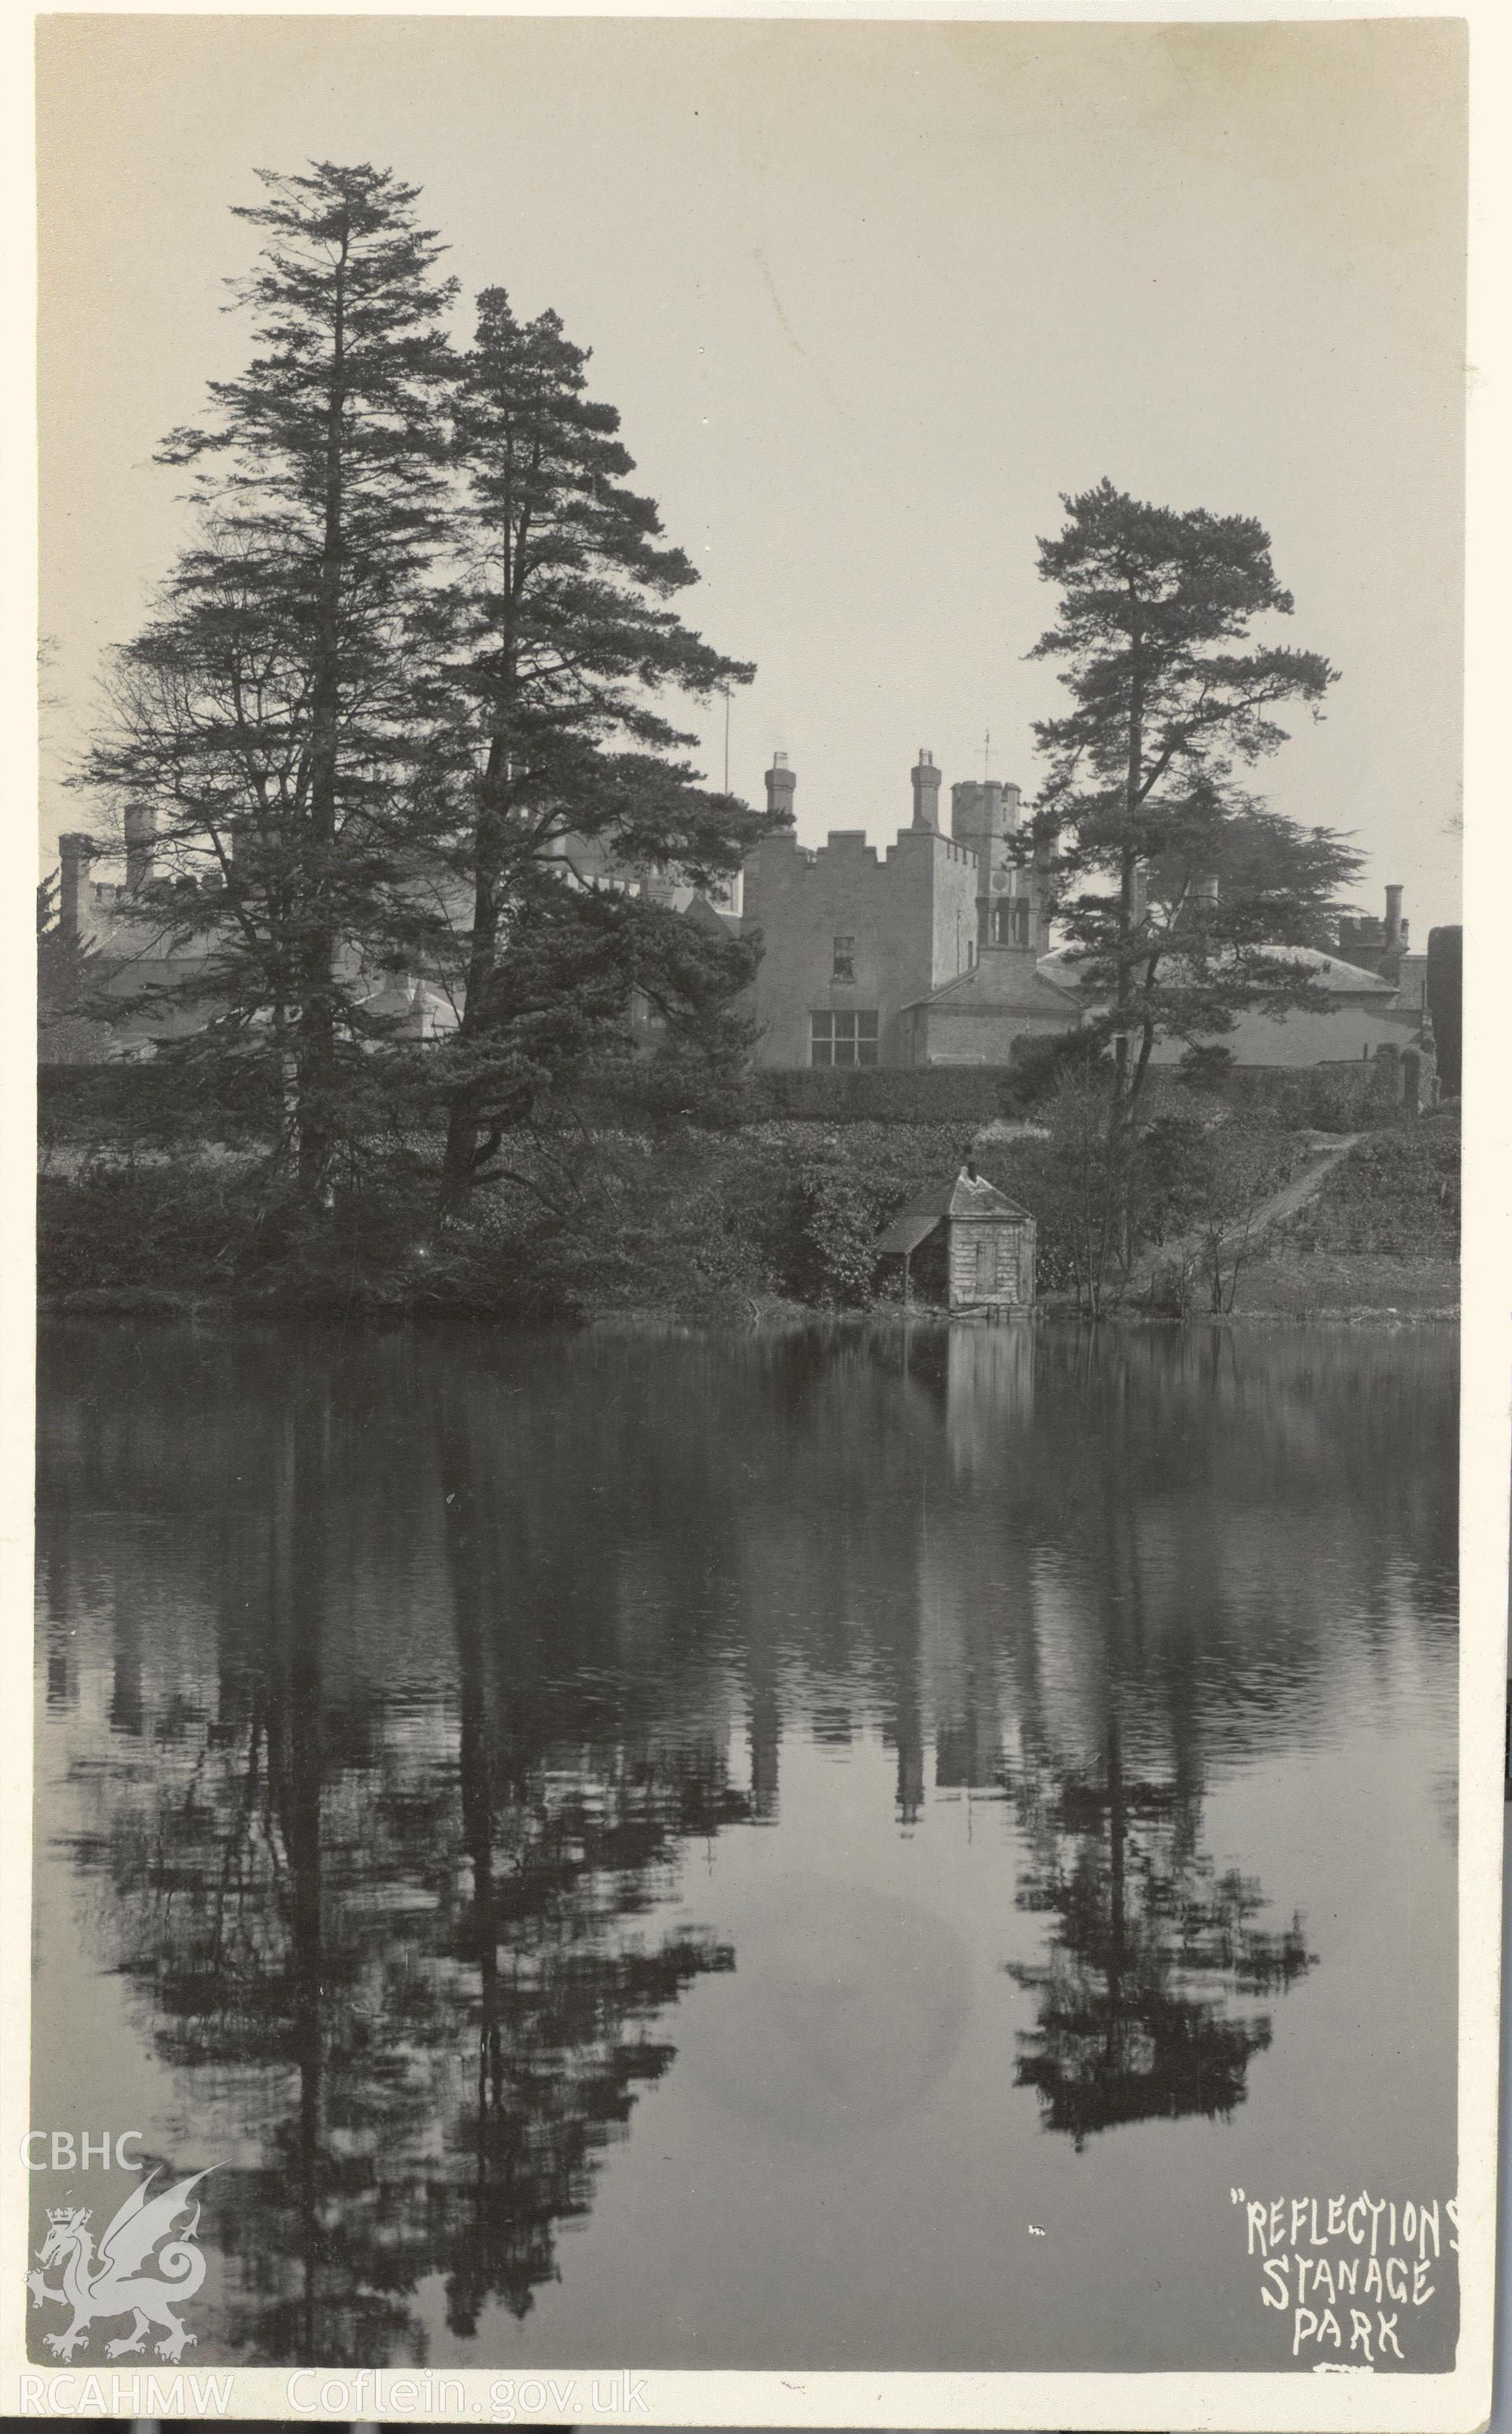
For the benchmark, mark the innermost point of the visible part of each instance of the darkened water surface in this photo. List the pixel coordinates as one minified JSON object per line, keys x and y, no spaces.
{"x":655,"y":1851}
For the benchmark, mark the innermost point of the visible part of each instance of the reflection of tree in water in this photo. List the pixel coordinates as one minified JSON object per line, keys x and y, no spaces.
{"x":424,"y":1663}
{"x":405,"y":1981}
{"x":1147,"y":2002}
{"x":554,"y":1868}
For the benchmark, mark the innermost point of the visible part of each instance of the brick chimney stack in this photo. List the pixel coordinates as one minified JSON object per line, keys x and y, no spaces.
{"x":141,"y":833}
{"x":74,"y":854}
{"x":926,"y":791}
{"x":1396,"y":926}
{"x":782,"y":783}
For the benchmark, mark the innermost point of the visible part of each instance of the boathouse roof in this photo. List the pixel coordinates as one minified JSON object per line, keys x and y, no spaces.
{"x":969,"y":1196}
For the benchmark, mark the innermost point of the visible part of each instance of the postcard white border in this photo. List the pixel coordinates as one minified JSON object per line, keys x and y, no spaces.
{"x":1447,"y":2403}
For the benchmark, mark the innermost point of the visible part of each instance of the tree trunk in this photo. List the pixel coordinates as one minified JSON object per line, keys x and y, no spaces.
{"x":1120,"y":1121}
{"x":466,"y":1113}
{"x":318,"y":1013}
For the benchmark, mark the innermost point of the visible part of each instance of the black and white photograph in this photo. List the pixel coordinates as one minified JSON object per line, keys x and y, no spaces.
{"x":752,"y":1671}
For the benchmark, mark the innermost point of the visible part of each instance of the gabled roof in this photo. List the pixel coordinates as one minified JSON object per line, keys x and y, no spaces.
{"x":708,"y":916}
{"x":1006,"y":980}
{"x":968,"y":1196}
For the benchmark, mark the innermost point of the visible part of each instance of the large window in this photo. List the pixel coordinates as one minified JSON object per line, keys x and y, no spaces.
{"x":842,"y":1040}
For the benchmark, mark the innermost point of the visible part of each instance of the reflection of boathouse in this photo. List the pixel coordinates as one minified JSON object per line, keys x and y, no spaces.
{"x":964,"y":1244}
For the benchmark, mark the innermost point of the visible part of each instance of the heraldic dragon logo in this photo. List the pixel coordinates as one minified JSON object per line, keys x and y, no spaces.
{"x":112,"y":2283}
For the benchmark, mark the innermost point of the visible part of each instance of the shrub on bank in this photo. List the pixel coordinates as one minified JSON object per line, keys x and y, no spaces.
{"x":194,"y":1229}
{"x":1397,"y":1194}
{"x":813,"y":1204}
{"x":138,"y":1228}
{"x":576,"y":1223}
{"x":785,"y":1211}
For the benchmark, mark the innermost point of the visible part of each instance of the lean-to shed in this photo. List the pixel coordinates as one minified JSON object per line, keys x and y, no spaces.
{"x":966,"y":1245}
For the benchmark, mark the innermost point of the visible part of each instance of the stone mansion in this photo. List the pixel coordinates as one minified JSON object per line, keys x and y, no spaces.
{"x":934,"y":952}
{"x":927,"y":955}
{"x":937,"y":951}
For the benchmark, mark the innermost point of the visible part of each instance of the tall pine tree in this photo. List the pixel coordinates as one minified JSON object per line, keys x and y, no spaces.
{"x":556,"y":772}
{"x":267,"y":715}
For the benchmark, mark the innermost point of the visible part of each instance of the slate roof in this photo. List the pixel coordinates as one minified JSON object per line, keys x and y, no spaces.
{"x":966,"y":1196}
{"x":1005,"y":980}
{"x":1325,"y":971}
{"x":699,"y":909}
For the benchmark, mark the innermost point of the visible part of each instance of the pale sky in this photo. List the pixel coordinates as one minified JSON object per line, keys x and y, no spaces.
{"x":869,"y":298}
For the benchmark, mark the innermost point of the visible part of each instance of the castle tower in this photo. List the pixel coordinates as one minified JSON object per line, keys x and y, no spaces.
{"x":74,"y":852}
{"x":140,"y":836}
{"x":983,"y":817}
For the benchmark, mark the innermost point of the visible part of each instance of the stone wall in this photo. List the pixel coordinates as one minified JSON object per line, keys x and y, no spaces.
{"x":974,"y":1034}
{"x":911,"y":914}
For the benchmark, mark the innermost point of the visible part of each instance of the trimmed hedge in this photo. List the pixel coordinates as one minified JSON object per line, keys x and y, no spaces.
{"x":896,"y":1094}
{"x":77,"y":1102}
{"x":1319,"y":1098}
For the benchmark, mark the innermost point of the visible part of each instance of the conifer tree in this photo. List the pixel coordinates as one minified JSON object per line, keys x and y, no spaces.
{"x":266,"y":713}
{"x":554,"y":767}
{"x":1169,"y":693}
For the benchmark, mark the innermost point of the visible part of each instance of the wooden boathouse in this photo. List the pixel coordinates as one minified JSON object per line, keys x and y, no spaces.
{"x":964,"y":1245}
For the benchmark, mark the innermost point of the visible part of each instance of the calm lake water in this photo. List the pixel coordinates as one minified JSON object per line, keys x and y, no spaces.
{"x":837,"y":1850}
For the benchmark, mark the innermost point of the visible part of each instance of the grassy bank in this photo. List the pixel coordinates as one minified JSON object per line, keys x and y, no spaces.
{"x":1380,"y":1239}
{"x":741,"y":1224}
{"x":1345,"y":1284}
